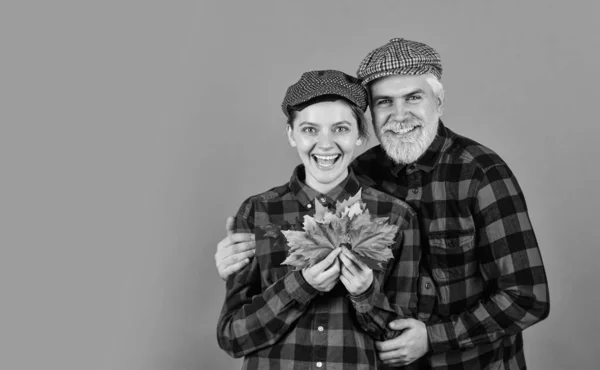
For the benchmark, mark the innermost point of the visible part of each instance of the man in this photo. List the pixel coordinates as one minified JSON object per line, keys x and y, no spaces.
{"x":482,"y":280}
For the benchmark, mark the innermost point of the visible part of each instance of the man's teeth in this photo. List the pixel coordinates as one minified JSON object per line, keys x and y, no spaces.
{"x":403,"y":130}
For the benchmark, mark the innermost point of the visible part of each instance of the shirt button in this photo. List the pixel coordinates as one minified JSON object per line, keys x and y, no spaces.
{"x":308,"y":205}
{"x":427,"y":286}
{"x":323,"y":200}
{"x":320,"y":328}
{"x":415,"y":191}
{"x":319,"y":364}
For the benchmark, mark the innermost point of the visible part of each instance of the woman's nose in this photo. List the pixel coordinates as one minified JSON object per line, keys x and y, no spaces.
{"x":325,"y":140}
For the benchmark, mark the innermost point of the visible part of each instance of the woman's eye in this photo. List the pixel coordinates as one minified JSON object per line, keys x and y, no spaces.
{"x":341,"y":129}
{"x":309,"y":130}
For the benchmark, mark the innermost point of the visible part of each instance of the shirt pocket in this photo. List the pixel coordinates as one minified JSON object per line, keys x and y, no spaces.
{"x":452,"y":255}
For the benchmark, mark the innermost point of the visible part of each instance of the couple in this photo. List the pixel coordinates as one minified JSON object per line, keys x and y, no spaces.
{"x":466,"y":276}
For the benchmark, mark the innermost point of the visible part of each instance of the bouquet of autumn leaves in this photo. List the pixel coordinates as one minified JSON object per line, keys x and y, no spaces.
{"x":351,"y":225}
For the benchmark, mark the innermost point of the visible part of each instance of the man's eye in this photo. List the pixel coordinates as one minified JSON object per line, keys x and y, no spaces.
{"x":414,"y":98}
{"x":384,"y":102}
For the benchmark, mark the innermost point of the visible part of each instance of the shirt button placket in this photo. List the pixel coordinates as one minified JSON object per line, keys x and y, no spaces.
{"x":414,"y":181}
{"x":427,"y":299}
{"x":321,"y":335}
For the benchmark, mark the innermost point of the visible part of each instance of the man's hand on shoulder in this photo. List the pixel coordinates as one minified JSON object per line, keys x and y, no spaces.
{"x":408,"y":347}
{"x":234,"y":251}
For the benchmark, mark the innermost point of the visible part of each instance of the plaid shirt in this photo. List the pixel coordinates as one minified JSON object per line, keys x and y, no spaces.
{"x":276,"y":320}
{"x":482,"y":279}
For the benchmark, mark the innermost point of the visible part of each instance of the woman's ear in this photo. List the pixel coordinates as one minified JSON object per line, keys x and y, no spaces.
{"x":290,"y":134}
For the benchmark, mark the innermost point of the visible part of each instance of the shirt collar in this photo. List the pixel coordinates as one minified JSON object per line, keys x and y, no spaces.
{"x":306,"y":195}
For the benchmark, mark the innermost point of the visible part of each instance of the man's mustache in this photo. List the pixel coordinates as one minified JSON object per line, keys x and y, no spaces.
{"x":403,"y":124}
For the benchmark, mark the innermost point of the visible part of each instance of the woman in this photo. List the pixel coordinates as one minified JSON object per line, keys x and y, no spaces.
{"x":326,"y":315}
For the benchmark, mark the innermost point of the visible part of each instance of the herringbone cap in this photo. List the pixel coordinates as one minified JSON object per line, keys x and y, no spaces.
{"x":400,"y":57}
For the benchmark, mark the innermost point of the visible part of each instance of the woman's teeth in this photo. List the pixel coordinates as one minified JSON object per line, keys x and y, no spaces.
{"x":325,"y":160}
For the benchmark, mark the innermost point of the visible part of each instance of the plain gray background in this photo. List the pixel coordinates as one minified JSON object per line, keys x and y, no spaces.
{"x":131,"y":129}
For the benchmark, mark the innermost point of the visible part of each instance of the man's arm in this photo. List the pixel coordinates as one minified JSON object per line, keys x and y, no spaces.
{"x":234,"y":251}
{"x":510,"y":260}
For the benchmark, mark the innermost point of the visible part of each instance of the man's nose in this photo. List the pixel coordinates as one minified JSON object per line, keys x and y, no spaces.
{"x":399,"y":111}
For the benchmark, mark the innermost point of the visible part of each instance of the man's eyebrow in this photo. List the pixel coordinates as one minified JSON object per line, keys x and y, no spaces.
{"x":413,"y":92}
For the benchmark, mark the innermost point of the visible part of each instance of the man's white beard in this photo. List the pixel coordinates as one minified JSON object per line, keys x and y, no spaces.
{"x":404,"y":152}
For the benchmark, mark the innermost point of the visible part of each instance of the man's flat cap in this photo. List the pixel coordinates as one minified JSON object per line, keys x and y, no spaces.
{"x":400,"y":57}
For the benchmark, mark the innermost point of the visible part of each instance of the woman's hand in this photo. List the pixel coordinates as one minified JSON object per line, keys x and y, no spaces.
{"x":324,"y":275}
{"x":356,"y":276}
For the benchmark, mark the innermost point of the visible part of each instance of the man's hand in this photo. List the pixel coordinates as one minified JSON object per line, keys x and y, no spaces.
{"x":234,"y":251}
{"x":406,"y":348}
{"x":356,"y":276}
{"x":324,"y":275}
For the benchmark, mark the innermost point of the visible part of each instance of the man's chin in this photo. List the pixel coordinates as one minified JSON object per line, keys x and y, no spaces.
{"x":403,"y":153}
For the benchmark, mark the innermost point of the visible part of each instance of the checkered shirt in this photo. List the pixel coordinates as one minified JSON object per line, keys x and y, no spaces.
{"x":482,"y":279}
{"x":276,"y":320}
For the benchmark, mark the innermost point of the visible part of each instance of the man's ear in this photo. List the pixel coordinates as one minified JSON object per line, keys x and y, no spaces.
{"x":290,"y":135}
{"x":440,"y":101}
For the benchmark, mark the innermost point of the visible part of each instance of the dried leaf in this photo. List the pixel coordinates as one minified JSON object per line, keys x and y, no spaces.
{"x":306,"y":248}
{"x":340,"y":206}
{"x":367,"y":237}
{"x":271,"y":230}
{"x":320,"y":211}
{"x":370,"y":239}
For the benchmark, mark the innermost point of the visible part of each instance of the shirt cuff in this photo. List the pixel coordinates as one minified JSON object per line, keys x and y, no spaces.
{"x":298,"y":288}
{"x":365,"y":301}
{"x":440,"y":337}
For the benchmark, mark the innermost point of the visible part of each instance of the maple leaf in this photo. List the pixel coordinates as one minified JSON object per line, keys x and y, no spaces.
{"x":305,"y":249}
{"x":367,"y":237}
{"x":370,"y":239}
{"x":354,"y":210}
{"x":271,"y":230}
{"x":341,"y":206}
{"x":320,"y":212}
{"x":336,"y":230}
